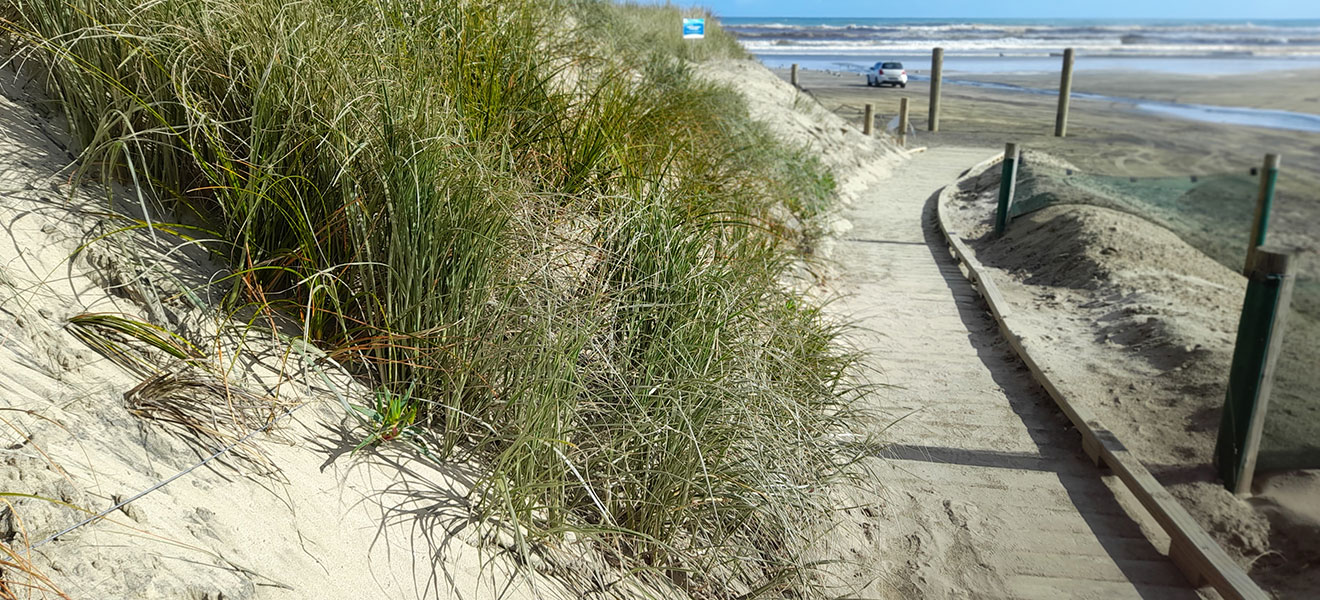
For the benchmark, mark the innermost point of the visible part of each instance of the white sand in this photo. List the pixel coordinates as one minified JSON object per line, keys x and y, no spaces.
{"x":857,"y":161}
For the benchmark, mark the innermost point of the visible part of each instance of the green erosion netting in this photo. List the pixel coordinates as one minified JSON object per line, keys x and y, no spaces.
{"x":1213,"y":213}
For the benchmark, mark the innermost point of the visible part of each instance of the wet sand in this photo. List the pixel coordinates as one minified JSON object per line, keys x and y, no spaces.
{"x":1109,"y":136}
{"x":1297,"y":91}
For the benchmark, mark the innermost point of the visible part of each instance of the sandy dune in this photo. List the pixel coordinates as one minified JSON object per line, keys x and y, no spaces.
{"x":292,"y":513}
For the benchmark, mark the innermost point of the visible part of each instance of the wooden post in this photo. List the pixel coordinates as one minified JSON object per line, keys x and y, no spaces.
{"x":868,"y":119}
{"x":792,"y":75}
{"x":1251,"y":376}
{"x":902,"y":122}
{"x":1269,"y":175}
{"x":936,"y":77}
{"x":1007,"y":183}
{"x":1065,"y":95}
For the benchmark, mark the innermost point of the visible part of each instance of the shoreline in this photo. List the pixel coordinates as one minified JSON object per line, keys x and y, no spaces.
{"x":1048,"y":63}
{"x":1103,"y":134}
{"x":996,"y":45}
{"x":1290,"y":100}
{"x":1292,"y":90}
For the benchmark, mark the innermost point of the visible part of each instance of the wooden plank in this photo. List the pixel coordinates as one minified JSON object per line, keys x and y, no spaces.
{"x":1194,"y":552}
{"x":1030,"y":587}
{"x":1086,"y":568}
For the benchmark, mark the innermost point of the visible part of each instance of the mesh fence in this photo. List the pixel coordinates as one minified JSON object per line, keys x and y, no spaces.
{"x":1208,"y":211}
{"x":1213,"y":213}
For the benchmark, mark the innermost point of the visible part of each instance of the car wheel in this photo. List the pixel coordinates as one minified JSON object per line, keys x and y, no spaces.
{"x":903,"y":85}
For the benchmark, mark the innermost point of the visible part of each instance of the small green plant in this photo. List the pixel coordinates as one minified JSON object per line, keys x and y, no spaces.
{"x":391,"y":417}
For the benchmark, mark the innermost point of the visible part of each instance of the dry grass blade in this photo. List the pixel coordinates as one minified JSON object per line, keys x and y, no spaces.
{"x":205,"y":411}
{"x":19,"y":578}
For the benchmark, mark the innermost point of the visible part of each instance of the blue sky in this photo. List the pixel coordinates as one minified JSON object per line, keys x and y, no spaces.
{"x":1110,"y":9}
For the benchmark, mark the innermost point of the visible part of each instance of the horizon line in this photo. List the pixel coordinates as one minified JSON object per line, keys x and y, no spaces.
{"x":1074,"y":18}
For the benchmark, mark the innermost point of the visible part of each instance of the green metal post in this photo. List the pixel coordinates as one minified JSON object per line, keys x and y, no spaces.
{"x":1251,"y":374}
{"x":1269,"y":176}
{"x":1007,"y":183}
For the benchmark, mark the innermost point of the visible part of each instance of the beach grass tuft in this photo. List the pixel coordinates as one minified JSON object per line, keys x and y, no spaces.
{"x":529,"y":225}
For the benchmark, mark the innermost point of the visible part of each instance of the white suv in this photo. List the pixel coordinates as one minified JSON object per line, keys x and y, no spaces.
{"x":882,"y":73}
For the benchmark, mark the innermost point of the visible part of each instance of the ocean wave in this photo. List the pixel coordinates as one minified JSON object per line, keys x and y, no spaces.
{"x":948,"y":45}
{"x":1095,"y":50}
{"x":986,"y":35}
{"x":1064,"y":26}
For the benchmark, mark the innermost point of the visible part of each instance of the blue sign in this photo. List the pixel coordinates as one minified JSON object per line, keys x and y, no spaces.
{"x":694,"y":29}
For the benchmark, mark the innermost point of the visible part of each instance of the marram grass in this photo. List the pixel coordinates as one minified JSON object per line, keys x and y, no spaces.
{"x":529,"y":219}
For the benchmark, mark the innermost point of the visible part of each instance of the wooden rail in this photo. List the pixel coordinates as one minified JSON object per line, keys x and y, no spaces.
{"x":1192,"y":550}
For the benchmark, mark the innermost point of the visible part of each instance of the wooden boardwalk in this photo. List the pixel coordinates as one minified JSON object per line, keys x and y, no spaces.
{"x":985,"y":490}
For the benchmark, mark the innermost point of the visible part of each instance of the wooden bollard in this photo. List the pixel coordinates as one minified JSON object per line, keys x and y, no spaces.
{"x":936,"y":77}
{"x":902,"y":122}
{"x":1269,"y":176}
{"x":1065,"y":95}
{"x":792,"y":75}
{"x":1270,"y":278}
{"x":1007,"y":185}
{"x":868,"y":119}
